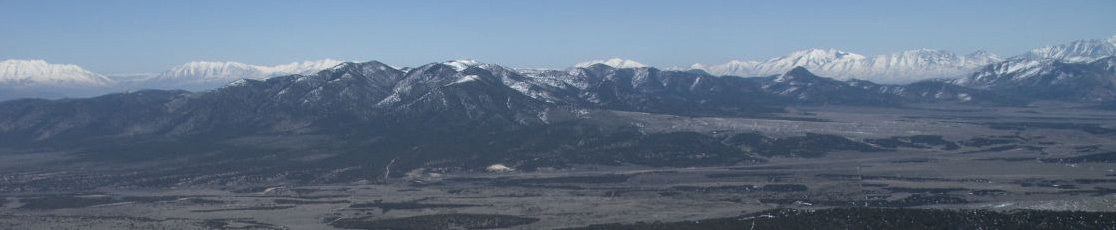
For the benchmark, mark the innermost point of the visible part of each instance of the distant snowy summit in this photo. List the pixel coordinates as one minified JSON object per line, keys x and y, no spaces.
{"x":40,"y":79}
{"x":41,"y":73}
{"x":1083,"y":70}
{"x":200,"y":75}
{"x":909,"y":66}
{"x":902,"y":67}
{"x":1044,"y":66}
{"x":1076,"y":51}
{"x":614,"y":62}
{"x":36,"y":73}
{"x":205,"y":70}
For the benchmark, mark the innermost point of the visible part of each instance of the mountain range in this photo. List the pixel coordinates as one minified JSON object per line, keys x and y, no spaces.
{"x":907,"y":66}
{"x":1076,"y":51}
{"x":1091,"y":81}
{"x":355,"y":121}
{"x":903,"y":67}
{"x":39,"y":72}
{"x":441,"y":116}
{"x":37,"y":78}
{"x":203,"y":75}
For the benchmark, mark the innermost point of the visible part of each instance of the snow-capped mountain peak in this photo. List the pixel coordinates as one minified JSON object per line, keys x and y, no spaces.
{"x":900,"y":67}
{"x":198,"y":75}
{"x":733,"y":67}
{"x":918,"y":59}
{"x":210,"y":70}
{"x":923,"y":54}
{"x":981,"y":57}
{"x":1076,"y":51}
{"x":39,"y":72}
{"x":305,"y":67}
{"x":822,"y":60}
{"x":614,"y":62}
{"x":1054,"y":67}
{"x":820,"y":56}
{"x":203,"y":70}
{"x":462,"y":64}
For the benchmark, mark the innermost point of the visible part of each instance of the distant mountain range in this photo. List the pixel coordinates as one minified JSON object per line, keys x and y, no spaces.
{"x":1082,"y":70}
{"x":465,"y":93}
{"x":39,"y":72}
{"x":614,"y":62}
{"x":1076,"y":51}
{"x":37,"y":78}
{"x":201,"y":75}
{"x":1092,"y":81}
{"x":365,"y":121}
{"x":907,"y":66}
{"x":903,"y":67}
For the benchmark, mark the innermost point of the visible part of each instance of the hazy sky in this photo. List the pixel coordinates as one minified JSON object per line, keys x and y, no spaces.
{"x":150,"y":36}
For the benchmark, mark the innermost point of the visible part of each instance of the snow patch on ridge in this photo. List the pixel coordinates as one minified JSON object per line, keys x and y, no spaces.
{"x":466,"y":78}
{"x":462,"y":64}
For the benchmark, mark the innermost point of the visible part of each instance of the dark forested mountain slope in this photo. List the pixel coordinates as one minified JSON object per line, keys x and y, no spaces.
{"x":366,"y":120}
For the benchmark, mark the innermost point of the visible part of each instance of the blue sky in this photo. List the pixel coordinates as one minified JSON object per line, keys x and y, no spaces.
{"x":150,"y":36}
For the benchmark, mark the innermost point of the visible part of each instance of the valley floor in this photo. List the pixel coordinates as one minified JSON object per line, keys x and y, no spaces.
{"x":1001,"y":160}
